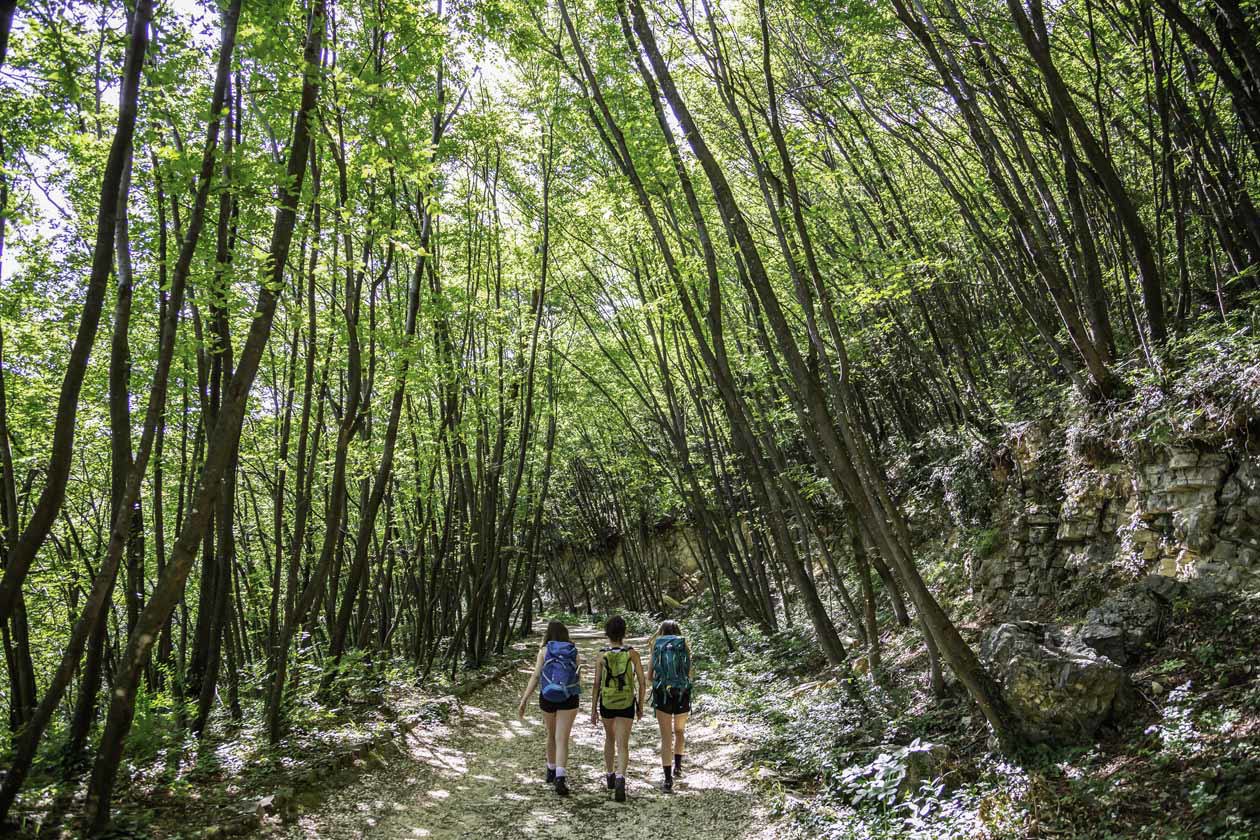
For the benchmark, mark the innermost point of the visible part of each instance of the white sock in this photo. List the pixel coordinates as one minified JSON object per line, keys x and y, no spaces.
{"x":550,"y":766}
{"x":559,"y":772}
{"x":621,"y":776}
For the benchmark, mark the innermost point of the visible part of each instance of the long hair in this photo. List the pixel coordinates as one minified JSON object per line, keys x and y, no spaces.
{"x":669,"y":627}
{"x":556,"y":632}
{"x":615,"y":629}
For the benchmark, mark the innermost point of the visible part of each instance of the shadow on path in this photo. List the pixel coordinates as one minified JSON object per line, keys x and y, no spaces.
{"x":482,"y":777}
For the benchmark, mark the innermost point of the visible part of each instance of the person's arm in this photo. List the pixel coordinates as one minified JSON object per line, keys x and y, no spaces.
{"x":533,"y":682}
{"x":651,"y":657}
{"x":599,"y":680}
{"x":638,"y":673}
{"x":691,"y":662}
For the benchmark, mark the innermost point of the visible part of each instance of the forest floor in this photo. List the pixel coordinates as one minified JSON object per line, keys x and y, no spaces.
{"x":480,"y":775}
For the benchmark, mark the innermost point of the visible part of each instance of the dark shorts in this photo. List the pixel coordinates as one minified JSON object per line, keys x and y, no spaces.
{"x":671,"y":703}
{"x":563,"y":706}
{"x":628,"y":712}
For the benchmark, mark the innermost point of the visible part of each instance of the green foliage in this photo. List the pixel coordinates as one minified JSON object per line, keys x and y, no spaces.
{"x":637,"y":623}
{"x":1206,"y":390}
{"x":987,"y":541}
{"x":570,"y":620}
{"x":592,"y":363}
{"x":882,"y":782}
{"x":157,"y":725}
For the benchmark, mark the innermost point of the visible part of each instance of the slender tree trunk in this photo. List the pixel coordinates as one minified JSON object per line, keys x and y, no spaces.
{"x":7,"y":8}
{"x":858,"y":479}
{"x":28,"y":742}
{"x":1037,"y":39}
{"x":16,"y":634}
{"x":61,"y":454}
{"x":873,"y":647}
{"x":219,"y":449}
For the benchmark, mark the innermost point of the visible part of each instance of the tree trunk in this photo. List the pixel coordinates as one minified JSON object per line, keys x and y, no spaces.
{"x":61,"y":455}
{"x":220,"y":447}
{"x":28,"y":742}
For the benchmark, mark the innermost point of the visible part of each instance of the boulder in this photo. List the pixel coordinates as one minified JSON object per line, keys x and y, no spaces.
{"x":1132,"y":620}
{"x":1060,"y":690}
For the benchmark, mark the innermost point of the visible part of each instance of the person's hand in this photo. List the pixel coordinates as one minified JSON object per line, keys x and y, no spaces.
{"x":520,"y":710}
{"x":594,"y":717}
{"x":638,"y":712}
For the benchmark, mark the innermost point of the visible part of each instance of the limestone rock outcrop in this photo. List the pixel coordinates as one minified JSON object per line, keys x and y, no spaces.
{"x":1182,"y":513}
{"x":1132,"y":620}
{"x":1061,"y":690}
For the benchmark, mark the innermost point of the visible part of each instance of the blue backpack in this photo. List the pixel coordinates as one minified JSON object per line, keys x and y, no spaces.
{"x":671,"y":665}
{"x":559,"y":672}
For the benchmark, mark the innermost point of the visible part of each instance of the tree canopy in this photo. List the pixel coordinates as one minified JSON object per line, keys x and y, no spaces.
{"x":342,"y":333}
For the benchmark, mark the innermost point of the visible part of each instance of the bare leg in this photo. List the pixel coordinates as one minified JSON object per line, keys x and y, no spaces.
{"x":665,"y":722}
{"x":623,"y":727}
{"x":549,"y":720}
{"x":680,"y":734}
{"x":564,"y":726}
{"x":610,"y":744}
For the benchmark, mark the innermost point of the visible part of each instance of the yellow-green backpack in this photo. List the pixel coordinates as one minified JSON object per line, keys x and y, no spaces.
{"x":617,"y":690}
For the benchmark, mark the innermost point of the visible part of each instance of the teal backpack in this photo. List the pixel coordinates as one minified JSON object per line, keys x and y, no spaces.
{"x":671,"y":666}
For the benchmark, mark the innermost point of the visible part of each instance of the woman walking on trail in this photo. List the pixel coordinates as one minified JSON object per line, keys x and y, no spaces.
{"x":557,"y":673}
{"x":618,"y":699}
{"x":670,"y":674}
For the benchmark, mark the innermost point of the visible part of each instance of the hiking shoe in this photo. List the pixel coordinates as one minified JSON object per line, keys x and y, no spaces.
{"x":612,"y":780}
{"x":620,"y":794}
{"x":562,"y":786}
{"x":667,"y":786}
{"x":551,"y":776}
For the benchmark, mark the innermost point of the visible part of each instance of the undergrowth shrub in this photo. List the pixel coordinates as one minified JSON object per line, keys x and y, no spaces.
{"x":886,"y":781}
{"x":566,"y":618}
{"x":637,"y":623}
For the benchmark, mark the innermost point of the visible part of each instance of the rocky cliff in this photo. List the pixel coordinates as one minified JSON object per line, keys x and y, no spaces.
{"x":1063,"y":522}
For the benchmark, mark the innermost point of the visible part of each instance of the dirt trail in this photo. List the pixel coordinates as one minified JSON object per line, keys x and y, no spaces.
{"x":481,"y":777}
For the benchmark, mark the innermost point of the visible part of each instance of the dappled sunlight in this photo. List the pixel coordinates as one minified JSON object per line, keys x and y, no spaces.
{"x":484,"y":779}
{"x":449,"y":763}
{"x":476,"y":712}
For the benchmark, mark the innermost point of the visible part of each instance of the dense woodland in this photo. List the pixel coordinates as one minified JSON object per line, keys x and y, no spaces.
{"x":343,"y":334}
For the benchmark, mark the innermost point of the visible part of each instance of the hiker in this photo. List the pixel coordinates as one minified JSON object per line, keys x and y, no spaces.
{"x":670,"y":674}
{"x":618,"y":699}
{"x":557,"y":672}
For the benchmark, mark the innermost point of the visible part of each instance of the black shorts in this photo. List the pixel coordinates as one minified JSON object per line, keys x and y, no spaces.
{"x":563,"y":706}
{"x":671,"y":703}
{"x":628,"y":712}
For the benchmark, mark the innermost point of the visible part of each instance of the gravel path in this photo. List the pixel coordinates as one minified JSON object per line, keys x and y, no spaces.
{"x":481,"y":777}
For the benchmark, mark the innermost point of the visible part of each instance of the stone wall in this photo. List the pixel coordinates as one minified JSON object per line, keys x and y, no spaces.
{"x":1183,"y":513}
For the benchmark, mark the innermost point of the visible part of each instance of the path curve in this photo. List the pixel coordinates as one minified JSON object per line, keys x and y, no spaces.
{"x":481,"y":777}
